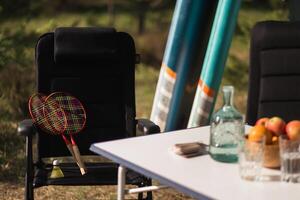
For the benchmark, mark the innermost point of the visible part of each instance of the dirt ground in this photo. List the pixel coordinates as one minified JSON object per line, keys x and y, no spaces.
{"x":12,"y":191}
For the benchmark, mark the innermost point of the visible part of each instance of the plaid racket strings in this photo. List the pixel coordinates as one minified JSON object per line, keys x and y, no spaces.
{"x":36,"y":109}
{"x":74,"y":111}
{"x":55,"y":116}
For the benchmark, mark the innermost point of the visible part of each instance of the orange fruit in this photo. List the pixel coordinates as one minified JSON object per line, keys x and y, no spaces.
{"x":258,"y":132}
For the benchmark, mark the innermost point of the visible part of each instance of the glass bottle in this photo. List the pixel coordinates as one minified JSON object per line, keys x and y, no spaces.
{"x":227,"y":130}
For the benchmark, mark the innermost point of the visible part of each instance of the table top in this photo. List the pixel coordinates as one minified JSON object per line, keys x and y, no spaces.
{"x":200,"y":177}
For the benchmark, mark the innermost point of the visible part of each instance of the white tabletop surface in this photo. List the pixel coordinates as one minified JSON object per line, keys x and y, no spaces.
{"x":200,"y":177}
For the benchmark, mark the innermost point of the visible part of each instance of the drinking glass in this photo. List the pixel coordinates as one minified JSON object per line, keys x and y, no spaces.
{"x":290,"y":159}
{"x":251,"y":160}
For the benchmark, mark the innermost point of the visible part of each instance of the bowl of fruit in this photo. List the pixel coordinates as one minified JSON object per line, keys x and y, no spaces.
{"x":269,"y":129}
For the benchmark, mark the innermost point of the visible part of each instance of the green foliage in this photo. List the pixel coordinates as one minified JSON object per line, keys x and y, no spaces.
{"x":5,"y":50}
{"x":12,"y":158}
{"x":236,"y":68}
{"x":277,"y":4}
{"x":145,"y":80}
{"x":151,"y":47}
{"x":16,"y":72}
{"x":14,"y":8}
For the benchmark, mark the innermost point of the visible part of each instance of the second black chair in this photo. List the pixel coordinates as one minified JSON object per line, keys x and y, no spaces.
{"x":274,"y":78}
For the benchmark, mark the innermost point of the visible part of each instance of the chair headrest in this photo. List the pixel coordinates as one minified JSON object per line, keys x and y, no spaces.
{"x":86,"y":44}
{"x":276,"y":34}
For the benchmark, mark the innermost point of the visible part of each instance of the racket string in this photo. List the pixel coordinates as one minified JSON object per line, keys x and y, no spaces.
{"x":36,"y":107}
{"x":74,"y":111}
{"x":55,"y":116}
{"x":57,"y":113}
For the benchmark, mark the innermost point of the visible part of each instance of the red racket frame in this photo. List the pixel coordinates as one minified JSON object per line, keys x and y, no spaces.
{"x":53,"y":97}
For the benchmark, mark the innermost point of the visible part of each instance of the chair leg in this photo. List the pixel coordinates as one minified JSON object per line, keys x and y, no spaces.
{"x":147,"y":182}
{"x":149,"y":194}
{"x":140,"y":196}
{"x":28,"y":188}
{"x":29,"y":170}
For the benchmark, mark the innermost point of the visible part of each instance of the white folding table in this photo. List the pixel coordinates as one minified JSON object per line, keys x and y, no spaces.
{"x":200,"y":177}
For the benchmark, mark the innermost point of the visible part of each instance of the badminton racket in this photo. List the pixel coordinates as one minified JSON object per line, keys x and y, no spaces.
{"x":75,"y":118}
{"x":58,"y":120}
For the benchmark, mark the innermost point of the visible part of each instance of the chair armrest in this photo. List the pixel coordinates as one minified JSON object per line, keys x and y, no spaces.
{"x":26,"y":128}
{"x":147,"y":127}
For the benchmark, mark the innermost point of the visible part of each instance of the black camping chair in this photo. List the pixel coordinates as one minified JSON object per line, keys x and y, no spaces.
{"x":97,"y":66}
{"x":274,"y":77}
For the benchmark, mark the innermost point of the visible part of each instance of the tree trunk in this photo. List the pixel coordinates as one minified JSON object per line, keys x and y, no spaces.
{"x":142,"y":12}
{"x":111,"y":12}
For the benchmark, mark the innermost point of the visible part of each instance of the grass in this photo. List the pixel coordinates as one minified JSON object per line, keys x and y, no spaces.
{"x":11,"y":154}
{"x":23,"y":33}
{"x":146,"y":79}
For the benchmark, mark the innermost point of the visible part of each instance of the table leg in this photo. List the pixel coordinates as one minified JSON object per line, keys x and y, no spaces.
{"x":121,"y":182}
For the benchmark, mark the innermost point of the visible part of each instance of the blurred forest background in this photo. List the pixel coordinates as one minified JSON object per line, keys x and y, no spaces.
{"x":148,"y":21}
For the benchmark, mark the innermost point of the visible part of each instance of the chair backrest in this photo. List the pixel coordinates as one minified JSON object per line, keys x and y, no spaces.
{"x":274,"y":77}
{"x":97,"y":66}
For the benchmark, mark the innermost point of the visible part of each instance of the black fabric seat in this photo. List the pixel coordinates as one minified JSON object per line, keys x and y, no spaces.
{"x":96,"y":65}
{"x":274,"y":77}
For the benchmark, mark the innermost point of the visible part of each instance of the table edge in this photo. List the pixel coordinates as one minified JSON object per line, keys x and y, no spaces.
{"x":147,"y":173}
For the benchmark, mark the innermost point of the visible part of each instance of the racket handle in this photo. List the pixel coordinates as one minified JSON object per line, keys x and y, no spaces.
{"x":70,"y":147}
{"x":79,"y":160}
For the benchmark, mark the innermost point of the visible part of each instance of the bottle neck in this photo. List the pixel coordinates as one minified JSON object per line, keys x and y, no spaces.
{"x":228,"y":95}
